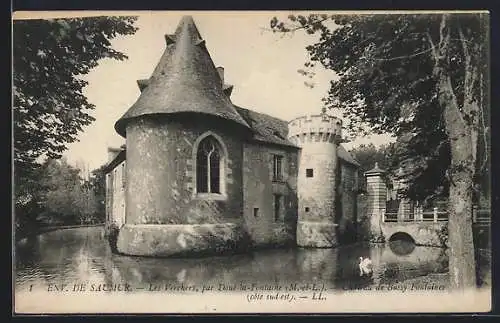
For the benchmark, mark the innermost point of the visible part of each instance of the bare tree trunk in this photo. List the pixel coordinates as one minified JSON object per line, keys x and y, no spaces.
{"x":461,"y":257}
{"x":462,"y":135}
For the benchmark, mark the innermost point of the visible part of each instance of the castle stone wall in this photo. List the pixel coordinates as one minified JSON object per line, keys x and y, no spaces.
{"x":263,"y":223}
{"x":317,"y":193}
{"x":160,"y":172}
{"x":347,"y":198}
{"x":115,"y":196}
{"x":318,"y":136}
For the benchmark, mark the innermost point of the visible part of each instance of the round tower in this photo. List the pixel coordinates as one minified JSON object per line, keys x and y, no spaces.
{"x":319,"y":137}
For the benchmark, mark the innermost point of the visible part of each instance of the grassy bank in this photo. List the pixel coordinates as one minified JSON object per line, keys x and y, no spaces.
{"x":442,"y":279}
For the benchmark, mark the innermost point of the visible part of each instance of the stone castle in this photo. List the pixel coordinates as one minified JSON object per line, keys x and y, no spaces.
{"x":199,"y":174}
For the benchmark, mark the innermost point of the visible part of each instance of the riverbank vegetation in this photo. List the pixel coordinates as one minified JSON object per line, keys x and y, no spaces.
{"x":50,"y":110}
{"x":60,"y":196}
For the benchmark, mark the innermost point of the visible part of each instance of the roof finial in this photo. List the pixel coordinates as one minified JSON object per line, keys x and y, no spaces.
{"x":376,"y":170}
{"x":188,"y":27}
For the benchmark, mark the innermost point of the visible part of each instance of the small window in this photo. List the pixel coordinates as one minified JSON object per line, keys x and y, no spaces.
{"x":277,"y":207}
{"x":256,"y":212}
{"x":277,"y":168}
{"x":307,"y":209}
{"x":124,"y":178}
{"x":309,"y":172}
{"x":109,"y":183}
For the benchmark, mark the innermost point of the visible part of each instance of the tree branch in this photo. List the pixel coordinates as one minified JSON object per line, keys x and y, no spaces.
{"x":285,"y":29}
{"x":445,"y":80}
{"x":433,"y":47}
{"x":443,"y":41}
{"x":469,"y":104}
{"x":468,"y":76}
{"x":404,"y":56}
{"x":307,"y":25}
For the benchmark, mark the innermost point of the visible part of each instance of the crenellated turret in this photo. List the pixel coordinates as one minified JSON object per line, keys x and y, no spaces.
{"x":319,"y":137}
{"x":315,"y":128}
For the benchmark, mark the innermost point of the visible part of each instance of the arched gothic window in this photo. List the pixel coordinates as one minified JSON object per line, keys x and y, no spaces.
{"x":208,"y":166}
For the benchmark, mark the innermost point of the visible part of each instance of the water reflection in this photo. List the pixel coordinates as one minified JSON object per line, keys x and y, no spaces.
{"x":83,"y":255}
{"x":402,"y":247}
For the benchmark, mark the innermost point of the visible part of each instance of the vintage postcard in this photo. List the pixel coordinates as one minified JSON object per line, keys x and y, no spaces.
{"x":251,"y":162}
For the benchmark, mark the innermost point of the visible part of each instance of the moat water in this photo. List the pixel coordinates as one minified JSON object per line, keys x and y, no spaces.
{"x":83,"y":255}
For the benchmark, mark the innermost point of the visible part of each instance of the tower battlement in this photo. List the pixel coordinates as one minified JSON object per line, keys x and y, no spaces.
{"x":318,"y":136}
{"x":311,"y":128}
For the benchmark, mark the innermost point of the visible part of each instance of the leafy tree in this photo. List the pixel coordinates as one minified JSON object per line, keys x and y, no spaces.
{"x":368,"y":155}
{"x":423,"y":79}
{"x":65,"y":197}
{"x":87,"y":205}
{"x":61,"y":192}
{"x":27,"y":204}
{"x":49,"y":107}
{"x":423,"y":162}
{"x":98,"y":184}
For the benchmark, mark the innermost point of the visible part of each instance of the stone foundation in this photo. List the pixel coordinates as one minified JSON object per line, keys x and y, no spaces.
{"x":166,"y":240}
{"x":316,"y":234}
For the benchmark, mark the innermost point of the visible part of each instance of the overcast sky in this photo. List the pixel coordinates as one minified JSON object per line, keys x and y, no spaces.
{"x":261,"y":65}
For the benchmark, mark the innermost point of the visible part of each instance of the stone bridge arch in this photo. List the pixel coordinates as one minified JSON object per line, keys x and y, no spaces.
{"x":400,"y":235}
{"x":422,"y":233}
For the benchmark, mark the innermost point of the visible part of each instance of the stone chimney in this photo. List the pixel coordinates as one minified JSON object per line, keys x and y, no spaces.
{"x":112,"y":153}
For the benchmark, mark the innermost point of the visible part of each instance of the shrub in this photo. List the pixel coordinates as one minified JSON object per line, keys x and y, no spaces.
{"x":443,"y":235}
{"x":113,"y":237}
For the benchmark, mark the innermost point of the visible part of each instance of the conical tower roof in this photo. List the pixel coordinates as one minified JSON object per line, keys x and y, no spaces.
{"x":185,"y":80}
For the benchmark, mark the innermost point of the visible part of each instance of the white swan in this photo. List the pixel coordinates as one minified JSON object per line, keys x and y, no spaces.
{"x":365,"y":266}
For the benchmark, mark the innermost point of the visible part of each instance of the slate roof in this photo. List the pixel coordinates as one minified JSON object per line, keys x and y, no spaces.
{"x":346,"y":156}
{"x":185,"y":80}
{"x":272,"y":130}
{"x":121,"y":156}
{"x":266,"y":128}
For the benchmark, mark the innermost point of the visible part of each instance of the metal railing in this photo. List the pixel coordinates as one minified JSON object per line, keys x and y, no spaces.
{"x":479,"y":216}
